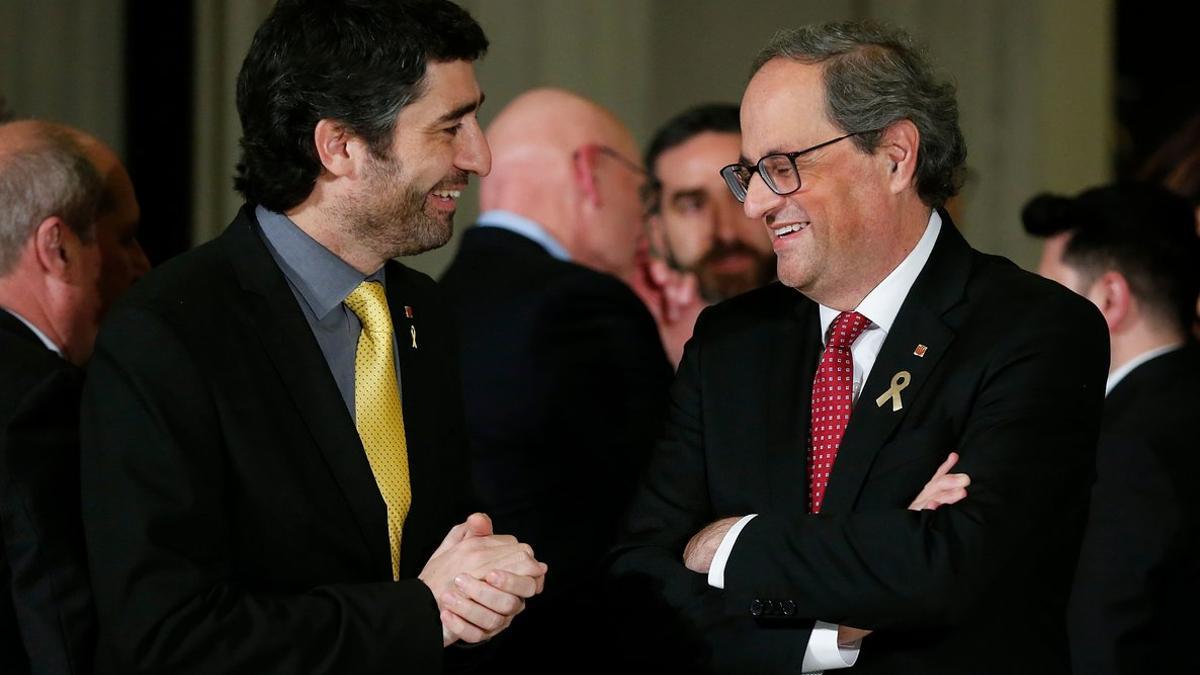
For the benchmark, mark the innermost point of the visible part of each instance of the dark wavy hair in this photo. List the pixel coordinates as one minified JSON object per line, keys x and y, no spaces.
{"x":717,"y":117}
{"x":874,"y":76}
{"x":1141,"y":230}
{"x":355,"y":61}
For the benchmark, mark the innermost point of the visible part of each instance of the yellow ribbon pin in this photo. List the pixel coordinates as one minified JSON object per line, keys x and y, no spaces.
{"x":899,"y":382}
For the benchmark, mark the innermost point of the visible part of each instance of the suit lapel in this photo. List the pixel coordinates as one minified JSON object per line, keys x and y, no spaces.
{"x":297,"y":358}
{"x":795,"y":351}
{"x":937,"y":288}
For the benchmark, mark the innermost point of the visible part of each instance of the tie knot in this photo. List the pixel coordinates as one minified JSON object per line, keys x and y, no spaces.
{"x":846,"y":328}
{"x":369,"y":304}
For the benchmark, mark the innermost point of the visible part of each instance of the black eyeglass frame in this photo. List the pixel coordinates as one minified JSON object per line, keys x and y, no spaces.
{"x":734,"y":183}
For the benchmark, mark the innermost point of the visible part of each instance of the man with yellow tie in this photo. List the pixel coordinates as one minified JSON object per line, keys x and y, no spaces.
{"x":273,"y":462}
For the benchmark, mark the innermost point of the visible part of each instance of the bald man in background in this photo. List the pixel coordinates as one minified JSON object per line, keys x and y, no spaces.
{"x":68,"y":220}
{"x":564,"y":375}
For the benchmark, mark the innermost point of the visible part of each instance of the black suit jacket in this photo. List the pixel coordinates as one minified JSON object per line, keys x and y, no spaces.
{"x":1133,"y":608}
{"x":231,"y":515}
{"x":565,"y":384}
{"x":47,"y":623}
{"x":1012,"y":378}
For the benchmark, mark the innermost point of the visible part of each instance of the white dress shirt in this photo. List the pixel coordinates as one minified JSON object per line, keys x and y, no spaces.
{"x":1119,"y":374}
{"x":880,"y":306}
{"x":38,"y":332}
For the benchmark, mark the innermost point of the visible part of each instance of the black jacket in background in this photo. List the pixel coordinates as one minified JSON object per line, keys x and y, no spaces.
{"x":565,"y":384}
{"x":1137,"y":590}
{"x":47,"y":622}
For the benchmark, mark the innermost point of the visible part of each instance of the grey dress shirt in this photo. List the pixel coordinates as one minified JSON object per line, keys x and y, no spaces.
{"x":321,"y":281}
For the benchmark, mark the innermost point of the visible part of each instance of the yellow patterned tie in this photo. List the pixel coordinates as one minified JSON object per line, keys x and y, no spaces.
{"x":377,"y":410}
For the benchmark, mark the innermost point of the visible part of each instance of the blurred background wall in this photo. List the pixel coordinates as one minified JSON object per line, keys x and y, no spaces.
{"x":1053,"y":94}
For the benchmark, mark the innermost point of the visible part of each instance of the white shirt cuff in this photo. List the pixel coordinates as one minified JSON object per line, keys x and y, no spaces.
{"x":716,"y":571}
{"x":823,"y":651}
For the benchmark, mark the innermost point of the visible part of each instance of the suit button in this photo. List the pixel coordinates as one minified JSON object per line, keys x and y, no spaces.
{"x":756,"y":607}
{"x":770,"y":608}
{"x":789,"y":608}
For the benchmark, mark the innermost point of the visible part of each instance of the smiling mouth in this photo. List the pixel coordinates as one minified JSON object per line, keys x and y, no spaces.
{"x":447,"y":194}
{"x":785,"y":231}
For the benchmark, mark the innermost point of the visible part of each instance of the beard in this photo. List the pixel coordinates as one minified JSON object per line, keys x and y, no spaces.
{"x":389,"y":215}
{"x":717,"y":285}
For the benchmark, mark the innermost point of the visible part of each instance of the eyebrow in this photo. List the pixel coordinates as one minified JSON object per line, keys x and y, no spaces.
{"x":693,"y":193}
{"x":461,"y":110}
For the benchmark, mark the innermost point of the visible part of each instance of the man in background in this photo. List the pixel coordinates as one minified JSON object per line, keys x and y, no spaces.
{"x":273,"y":449}
{"x":564,"y":377}
{"x":68,"y":248}
{"x":1132,"y":250}
{"x":696,"y":227}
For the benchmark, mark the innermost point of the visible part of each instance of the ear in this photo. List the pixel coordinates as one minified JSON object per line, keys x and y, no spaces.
{"x":54,"y":247}
{"x":898,"y":147}
{"x":583,"y":170}
{"x":340,"y":151}
{"x":1110,"y":292}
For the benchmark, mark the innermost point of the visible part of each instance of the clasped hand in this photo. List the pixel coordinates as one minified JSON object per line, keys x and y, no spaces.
{"x":480,"y":580}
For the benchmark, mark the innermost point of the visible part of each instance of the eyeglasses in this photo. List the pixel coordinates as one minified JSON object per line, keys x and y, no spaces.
{"x":647,"y":190}
{"x":778,"y":171}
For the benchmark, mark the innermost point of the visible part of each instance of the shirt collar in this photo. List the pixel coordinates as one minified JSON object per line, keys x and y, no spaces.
{"x":507,"y":220}
{"x":883,"y":303}
{"x":322,"y":279}
{"x":38,"y":332}
{"x":1129,"y":366}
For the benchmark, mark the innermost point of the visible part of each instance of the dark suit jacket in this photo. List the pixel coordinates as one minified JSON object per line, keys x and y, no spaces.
{"x":1133,"y":608}
{"x":565,"y":384}
{"x":47,"y":624}
{"x":1012,"y":379}
{"x":231,"y":515}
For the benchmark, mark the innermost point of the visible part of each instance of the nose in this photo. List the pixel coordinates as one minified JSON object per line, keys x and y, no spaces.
{"x":728,"y":215}
{"x":761,"y":201}
{"x":474,"y":155}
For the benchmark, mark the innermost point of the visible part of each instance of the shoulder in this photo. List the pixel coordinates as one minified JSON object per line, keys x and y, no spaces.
{"x":761,"y":309}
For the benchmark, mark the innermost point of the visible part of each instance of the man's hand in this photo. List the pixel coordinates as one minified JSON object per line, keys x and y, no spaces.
{"x":699,"y":552}
{"x":480,"y":580}
{"x":944,"y":488}
{"x":671,"y":296}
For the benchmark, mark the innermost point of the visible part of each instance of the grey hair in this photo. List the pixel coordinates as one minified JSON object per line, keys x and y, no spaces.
{"x":874,"y":76}
{"x":50,"y":176}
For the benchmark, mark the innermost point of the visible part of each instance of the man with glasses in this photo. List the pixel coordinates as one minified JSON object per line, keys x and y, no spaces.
{"x":779,"y":509}
{"x":564,"y":377}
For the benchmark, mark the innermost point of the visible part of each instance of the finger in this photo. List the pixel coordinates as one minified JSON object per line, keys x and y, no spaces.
{"x":944,"y":469}
{"x":516,"y":563}
{"x":472,"y":612}
{"x":461,"y":628}
{"x":491,"y":597}
{"x":516,"y":584}
{"x":479,"y":525}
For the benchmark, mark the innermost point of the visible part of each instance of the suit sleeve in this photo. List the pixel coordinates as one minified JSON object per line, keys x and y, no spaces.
{"x":156,"y":519}
{"x":42,"y":535}
{"x":683,"y":620}
{"x":1028,"y":443}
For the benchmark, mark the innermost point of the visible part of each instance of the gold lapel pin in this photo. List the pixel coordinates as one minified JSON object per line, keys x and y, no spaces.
{"x":899,"y":382}
{"x":920,"y":350}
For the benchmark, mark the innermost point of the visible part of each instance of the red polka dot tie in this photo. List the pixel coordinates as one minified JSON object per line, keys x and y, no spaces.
{"x":832,"y":398}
